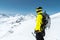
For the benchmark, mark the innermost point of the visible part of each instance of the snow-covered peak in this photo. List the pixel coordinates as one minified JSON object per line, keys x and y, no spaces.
{"x":55,"y":15}
{"x":15,"y":19}
{"x":20,"y":27}
{"x":3,"y":15}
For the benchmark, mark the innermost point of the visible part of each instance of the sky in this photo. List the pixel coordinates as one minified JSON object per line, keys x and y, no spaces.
{"x":13,"y":7}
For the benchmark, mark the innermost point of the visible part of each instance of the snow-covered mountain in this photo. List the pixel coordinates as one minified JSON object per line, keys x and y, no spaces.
{"x":20,"y":27}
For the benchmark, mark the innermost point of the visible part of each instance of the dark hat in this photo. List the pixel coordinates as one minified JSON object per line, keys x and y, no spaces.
{"x":39,"y":8}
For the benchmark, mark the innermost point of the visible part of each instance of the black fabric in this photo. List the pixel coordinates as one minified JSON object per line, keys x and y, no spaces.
{"x":38,"y":11}
{"x":44,"y":20}
{"x":39,"y":8}
{"x":42,"y":33}
{"x":39,"y":36}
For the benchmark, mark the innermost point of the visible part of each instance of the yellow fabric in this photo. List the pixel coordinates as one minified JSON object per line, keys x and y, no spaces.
{"x":39,"y":12}
{"x":38,"y":22}
{"x":38,"y":9}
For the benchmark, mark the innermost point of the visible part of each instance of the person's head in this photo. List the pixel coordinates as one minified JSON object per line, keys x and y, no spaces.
{"x":39,"y":9}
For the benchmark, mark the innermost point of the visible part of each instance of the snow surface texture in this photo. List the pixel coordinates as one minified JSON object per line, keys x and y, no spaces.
{"x":20,"y":27}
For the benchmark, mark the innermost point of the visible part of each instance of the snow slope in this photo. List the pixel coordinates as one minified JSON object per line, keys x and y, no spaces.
{"x":20,"y":27}
{"x":54,"y":32}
